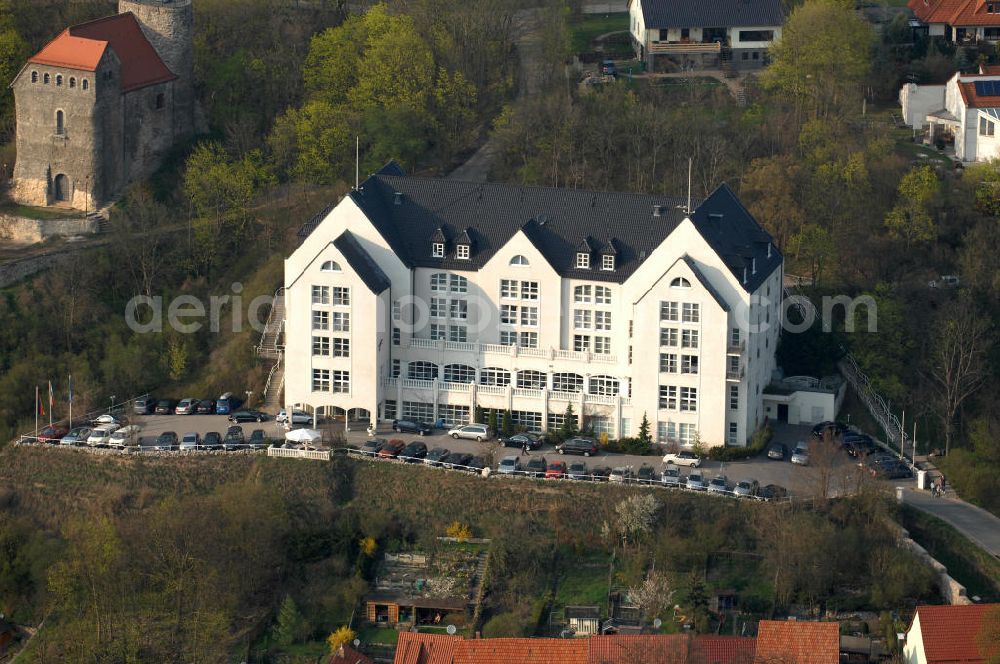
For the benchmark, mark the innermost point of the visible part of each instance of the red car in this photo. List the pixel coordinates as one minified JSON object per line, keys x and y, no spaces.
{"x":391,"y":449}
{"x":556,"y":470}
{"x":52,"y":434}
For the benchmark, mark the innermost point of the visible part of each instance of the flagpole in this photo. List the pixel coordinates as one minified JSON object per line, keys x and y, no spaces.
{"x":51,"y":404}
{"x":36,"y":410}
{"x":71,"y":401}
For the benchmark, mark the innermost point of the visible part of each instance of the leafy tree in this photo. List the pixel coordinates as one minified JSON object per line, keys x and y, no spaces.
{"x":491,"y":420}
{"x":910,"y":219}
{"x":813,"y":247}
{"x":569,"y":427}
{"x":340,"y":637}
{"x":654,"y":595}
{"x":644,"y":436}
{"x":459,"y":531}
{"x":771,"y":194}
{"x":291,"y":627}
{"x":368,"y":546}
{"x":636,"y":515}
{"x":507,"y":425}
{"x":14,"y":51}
{"x":177,"y":358}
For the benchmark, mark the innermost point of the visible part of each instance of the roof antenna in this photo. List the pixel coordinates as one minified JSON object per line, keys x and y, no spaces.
{"x":357,"y":161}
{"x":688,"y":209}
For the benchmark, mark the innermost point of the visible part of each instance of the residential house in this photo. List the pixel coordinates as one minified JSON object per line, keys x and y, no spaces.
{"x":583,"y":620}
{"x":427,"y":298}
{"x":956,"y":634}
{"x":704,"y":34}
{"x":959,"y":21}
{"x":348,"y":655}
{"x":964,"y":111}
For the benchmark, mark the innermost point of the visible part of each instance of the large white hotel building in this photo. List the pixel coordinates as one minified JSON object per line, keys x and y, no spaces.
{"x":424,"y":298}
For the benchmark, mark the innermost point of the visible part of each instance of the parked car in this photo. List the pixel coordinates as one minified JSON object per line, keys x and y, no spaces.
{"x":459,"y":460}
{"x":682,"y":458}
{"x":257,"y":440}
{"x":248,"y":416}
{"x":478,"y":432}
{"x":536,"y":466}
{"x":391,"y":449}
{"x":518,"y":440}
{"x":166,"y":441}
{"x":577,"y":471}
{"x":509,"y":465}
{"x":719,"y":484}
{"x":437,"y":456}
{"x":165,"y":407}
{"x":298,"y":417}
{"x":861,"y":446}
{"x":773,"y":492}
{"x":413,"y":452}
{"x":834,"y":428}
{"x":476,"y":464}
{"x":106,"y":419}
{"x":191,"y":441}
{"x":621,"y":475}
{"x":144,"y":405}
{"x":671,"y":476}
{"x":52,"y":434}
{"x":556,"y":470}
{"x":188,"y":406}
{"x":748,"y":488}
{"x":206,"y":407}
{"x":234,"y":440}
{"x":125,"y":437}
{"x":212,"y":441}
{"x":696,"y":481}
{"x":372,"y":446}
{"x":76,"y":437}
{"x":777,"y":451}
{"x":801,"y":455}
{"x":585,"y":446}
{"x":411,"y":426}
{"x":600,"y":473}
{"x":226,"y":403}
{"x":100,"y":436}
{"x":892,"y":470}
{"x":645,"y":473}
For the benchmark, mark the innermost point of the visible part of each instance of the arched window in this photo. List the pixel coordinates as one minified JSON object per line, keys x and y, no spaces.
{"x":72,"y":82}
{"x":159,"y":101}
{"x":494,"y":376}
{"x":329,"y":266}
{"x":60,"y":123}
{"x":86,"y":84}
{"x":58,"y":79}
{"x":531,"y":380}
{"x":422,"y":371}
{"x":604,"y":385}
{"x":34,"y":77}
{"x":45,"y":79}
{"x":519,"y":260}
{"x":459,"y":373}
{"x":680,"y":282}
{"x":567,"y":382}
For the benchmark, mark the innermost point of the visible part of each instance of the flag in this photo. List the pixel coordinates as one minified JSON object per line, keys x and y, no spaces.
{"x":71,"y":388}
{"x":52,"y":398}
{"x":41,"y":406}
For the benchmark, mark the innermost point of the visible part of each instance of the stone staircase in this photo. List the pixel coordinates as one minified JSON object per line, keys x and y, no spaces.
{"x":272,"y":347}
{"x":275,"y":387}
{"x":101,"y":218}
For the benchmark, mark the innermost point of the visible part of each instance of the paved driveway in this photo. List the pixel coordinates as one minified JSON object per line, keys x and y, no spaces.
{"x":975,"y":523}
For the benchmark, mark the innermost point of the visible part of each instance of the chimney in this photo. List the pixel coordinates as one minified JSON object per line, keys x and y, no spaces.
{"x":657,"y":210}
{"x":753,"y":265}
{"x":397,"y":198}
{"x":744,"y":274}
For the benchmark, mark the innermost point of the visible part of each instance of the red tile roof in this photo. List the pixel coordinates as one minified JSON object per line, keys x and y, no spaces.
{"x":957,"y":13}
{"x":630,"y":648}
{"x":989,"y":70}
{"x":82,"y":47}
{"x":798,"y":642}
{"x":711,"y":649}
{"x":521,"y":651}
{"x":413,"y":648}
{"x":952,"y":633}
{"x":973,"y":100}
{"x":348,"y":655}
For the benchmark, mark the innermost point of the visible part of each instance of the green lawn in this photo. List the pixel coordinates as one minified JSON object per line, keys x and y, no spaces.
{"x":966,"y":562}
{"x":589,"y":26}
{"x":584,"y":581}
{"x":381,"y":635}
{"x":37,"y":212}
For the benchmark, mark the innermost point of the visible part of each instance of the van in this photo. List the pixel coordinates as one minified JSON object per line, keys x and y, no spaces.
{"x":124,"y":437}
{"x":225,"y":404}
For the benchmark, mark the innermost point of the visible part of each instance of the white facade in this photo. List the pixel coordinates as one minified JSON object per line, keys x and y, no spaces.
{"x":913,"y":648}
{"x":679,"y":340}
{"x":954,"y":110}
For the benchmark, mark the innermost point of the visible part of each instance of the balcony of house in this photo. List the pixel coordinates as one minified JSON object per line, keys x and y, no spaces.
{"x":505,"y":391}
{"x":734,"y":374}
{"x":687,"y":46}
{"x":736,"y":347}
{"x":493,"y":350}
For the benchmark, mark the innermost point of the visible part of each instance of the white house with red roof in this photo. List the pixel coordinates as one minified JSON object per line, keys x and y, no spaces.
{"x":965,"y":110}
{"x":959,"y":21}
{"x":101,"y":104}
{"x":968,"y":634}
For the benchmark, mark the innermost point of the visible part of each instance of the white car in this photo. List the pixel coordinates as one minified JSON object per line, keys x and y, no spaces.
{"x":696,"y":482}
{"x":101,"y":435}
{"x":186,"y":406}
{"x":298,"y":417}
{"x":478,"y":432}
{"x":106,"y":419}
{"x":191,"y":441}
{"x":124,"y":437}
{"x":800,"y":456}
{"x":683,"y":458}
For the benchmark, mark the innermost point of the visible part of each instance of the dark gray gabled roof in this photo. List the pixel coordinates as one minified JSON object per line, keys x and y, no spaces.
{"x":691,"y":263}
{"x":362,"y":264}
{"x":556,"y":221}
{"x":711,"y":13}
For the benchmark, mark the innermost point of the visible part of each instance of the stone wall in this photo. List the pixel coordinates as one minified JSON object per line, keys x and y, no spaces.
{"x":149,"y":131}
{"x":952,"y":591}
{"x":22,"y":230}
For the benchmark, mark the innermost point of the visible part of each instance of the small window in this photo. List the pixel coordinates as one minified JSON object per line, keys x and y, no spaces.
{"x":437,"y":250}
{"x":583,"y":261}
{"x":329,"y":266}
{"x":45,"y":79}
{"x":986,"y":127}
{"x":519,"y":260}
{"x":60,"y":123}
{"x":58,"y":80}
{"x":86,"y":84}
{"x":34,"y":77}
{"x":160,"y":101}
{"x":608,"y":262}
{"x":680,"y":282}
{"x":72,"y":82}
{"x":462,"y":252}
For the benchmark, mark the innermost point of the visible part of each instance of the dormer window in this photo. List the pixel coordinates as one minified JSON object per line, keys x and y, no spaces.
{"x":463,"y":246}
{"x":437,"y":249}
{"x":583,"y":260}
{"x":462,"y":252}
{"x":608,"y":262}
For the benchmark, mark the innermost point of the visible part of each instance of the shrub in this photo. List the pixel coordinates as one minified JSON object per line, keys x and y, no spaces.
{"x":758,"y":442}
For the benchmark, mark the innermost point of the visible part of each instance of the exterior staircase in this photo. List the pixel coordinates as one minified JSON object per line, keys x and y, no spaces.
{"x":726,"y":62}
{"x":275,"y":387}
{"x":101,"y":218}
{"x":272,"y":347}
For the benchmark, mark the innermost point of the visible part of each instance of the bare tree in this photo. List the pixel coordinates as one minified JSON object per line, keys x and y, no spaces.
{"x":653,"y":595}
{"x":956,"y":363}
{"x":635,"y":516}
{"x":826,"y":457}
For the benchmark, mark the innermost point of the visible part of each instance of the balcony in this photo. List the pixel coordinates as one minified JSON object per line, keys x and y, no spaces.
{"x":685,"y":47}
{"x":512,"y":351}
{"x":734,"y":374}
{"x":736,"y":348}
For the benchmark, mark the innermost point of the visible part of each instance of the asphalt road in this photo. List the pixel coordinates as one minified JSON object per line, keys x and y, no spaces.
{"x":975,"y":523}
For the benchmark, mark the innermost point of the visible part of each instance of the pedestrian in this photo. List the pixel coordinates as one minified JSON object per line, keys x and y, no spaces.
{"x":944,"y":485}
{"x":371,"y":430}
{"x":525,"y":448}
{"x":936,"y":487}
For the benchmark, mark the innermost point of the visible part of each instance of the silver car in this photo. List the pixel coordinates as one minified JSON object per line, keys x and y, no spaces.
{"x":509,"y":465}
{"x":478,"y":432}
{"x":748,"y":488}
{"x":801,"y":455}
{"x":719,"y":484}
{"x":696,"y":482}
{"x":191,"y":441}
{"x":672,"y":476}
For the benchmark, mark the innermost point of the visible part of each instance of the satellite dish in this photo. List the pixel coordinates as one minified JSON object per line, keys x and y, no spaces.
{"x":451,"y":630}
{"x":357,"y":642}
{"x":657,"y":623}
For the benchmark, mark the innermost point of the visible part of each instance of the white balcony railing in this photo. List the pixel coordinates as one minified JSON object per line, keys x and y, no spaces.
{"x":499,"y":349}
{"x":600,"y":399}
{"x":455,"y":387}
{"x":526,"y":393}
